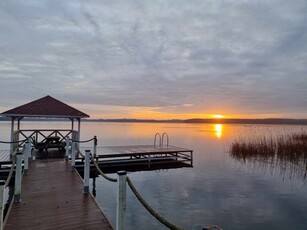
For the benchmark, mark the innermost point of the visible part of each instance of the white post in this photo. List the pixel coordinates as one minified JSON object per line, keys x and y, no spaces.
{"x":29,"y":152}
{"x":2,"y":182}
{"x":121,"y":200}
{"x":86,"y":187}
{"x":17,"y":191}
{"x":72,"y":128}
{"x":79,"y":129}
{"x":67,"y":149}
{"x":26,"y":158}
{"x":73,"y":154}
{"x":95,"y":146}
{"x":12,"y":135}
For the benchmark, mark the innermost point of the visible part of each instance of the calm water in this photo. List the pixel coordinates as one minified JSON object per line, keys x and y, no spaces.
{"x":217,"y":190}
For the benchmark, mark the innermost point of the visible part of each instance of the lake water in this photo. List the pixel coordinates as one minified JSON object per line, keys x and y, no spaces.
{"x":217,"y":190}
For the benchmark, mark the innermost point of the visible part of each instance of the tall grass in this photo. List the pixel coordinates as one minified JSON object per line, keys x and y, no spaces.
{"x":282,"y":148}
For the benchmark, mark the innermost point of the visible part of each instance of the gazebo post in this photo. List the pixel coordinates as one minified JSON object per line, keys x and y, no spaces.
{"x":79,"y":128}
{"x":72,"y":127}
{"x":72,"y":123}
{"x":12,"y":134}
{"x":18,"y":125}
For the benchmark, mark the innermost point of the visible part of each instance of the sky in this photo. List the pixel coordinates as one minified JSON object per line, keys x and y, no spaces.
{"x":157,"y":59}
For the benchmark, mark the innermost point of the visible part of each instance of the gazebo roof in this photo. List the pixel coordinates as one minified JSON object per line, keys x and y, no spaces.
{"x":45,"y":107}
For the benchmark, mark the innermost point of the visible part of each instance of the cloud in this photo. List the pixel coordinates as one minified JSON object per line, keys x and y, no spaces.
{"x":230,"y":56}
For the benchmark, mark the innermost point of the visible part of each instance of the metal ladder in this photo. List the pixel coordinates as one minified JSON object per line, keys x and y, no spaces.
{"x":161,"y":140}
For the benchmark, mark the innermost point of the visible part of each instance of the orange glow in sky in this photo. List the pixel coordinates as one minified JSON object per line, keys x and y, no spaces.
{"x":218,"y":116}
{"x":131,"y":112}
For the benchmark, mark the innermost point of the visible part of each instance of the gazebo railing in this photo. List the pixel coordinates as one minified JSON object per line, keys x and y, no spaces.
{"x":41,"y":134}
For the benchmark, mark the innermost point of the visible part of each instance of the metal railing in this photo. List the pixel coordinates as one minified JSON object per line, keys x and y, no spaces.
{"x":167,"y":139}
{"x":161,"y":139}
{"x":155,"y":140}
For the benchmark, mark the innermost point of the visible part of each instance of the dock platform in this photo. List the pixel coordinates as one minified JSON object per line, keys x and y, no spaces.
{"x":5,"y":164}
{"x":138,"y":150}
{"x":5,"y":157}
{"x":52,"y":198}
{"x":140,"y":158}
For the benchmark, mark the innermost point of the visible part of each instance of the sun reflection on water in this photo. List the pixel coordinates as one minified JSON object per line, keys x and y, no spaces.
{"x":218,"y":130}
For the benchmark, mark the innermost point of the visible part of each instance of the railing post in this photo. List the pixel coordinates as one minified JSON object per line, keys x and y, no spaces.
{"x":26,"y":158}
{"x":121,"y":200}
{"x":29,"y":152}
{"x":17,"y":191}
{"x":73,"y":154}
{"x":86,"y":187}
{"x":67,"y":149}
{"x":2,"y":182}
{"x":95,"y":146}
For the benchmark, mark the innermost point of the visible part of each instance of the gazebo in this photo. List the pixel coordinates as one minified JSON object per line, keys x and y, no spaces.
{"x":46,"y":107}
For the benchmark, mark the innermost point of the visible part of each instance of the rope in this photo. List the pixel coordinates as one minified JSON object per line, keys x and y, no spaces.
{"x":78,"y":151}
{"x":76,"y":141}
{"x":8,"y":179}
{"x":81,"y":153}
{"x":12,"y":142}
{"x":145,"y":204}
{"x":151,"y":210}
{"x":101,"y":173}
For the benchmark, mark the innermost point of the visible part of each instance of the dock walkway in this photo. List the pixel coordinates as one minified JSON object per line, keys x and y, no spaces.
{"x":52,"y":198}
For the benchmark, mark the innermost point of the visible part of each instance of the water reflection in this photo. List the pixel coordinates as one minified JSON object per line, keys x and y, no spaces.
{"x":94,"y":186}
{"x":283,"y":169}
{"x":285,"y":153}
{"x":234,"y":193}
{"x":218,"y":130}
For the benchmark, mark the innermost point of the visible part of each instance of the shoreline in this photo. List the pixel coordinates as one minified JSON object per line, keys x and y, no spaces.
{"x":269,"y":121}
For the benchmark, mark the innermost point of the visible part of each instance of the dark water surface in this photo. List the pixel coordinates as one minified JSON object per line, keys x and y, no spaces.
{"x":217,"y":190}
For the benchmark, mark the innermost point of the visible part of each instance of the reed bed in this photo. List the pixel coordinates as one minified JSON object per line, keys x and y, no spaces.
{"x":290,"y":148}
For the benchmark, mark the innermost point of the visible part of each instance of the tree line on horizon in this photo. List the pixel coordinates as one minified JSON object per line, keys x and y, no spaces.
{"x":194,"y":120}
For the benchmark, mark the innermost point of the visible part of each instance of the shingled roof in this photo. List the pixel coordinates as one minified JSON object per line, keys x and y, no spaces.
{"x":45,"y":107}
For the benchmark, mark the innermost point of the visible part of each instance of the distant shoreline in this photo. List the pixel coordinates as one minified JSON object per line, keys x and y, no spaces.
{"x":272,"y":121}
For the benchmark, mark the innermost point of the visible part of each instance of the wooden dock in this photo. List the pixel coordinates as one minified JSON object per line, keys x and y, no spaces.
{"x":51,"y":191}
{"x":140,"y":158}
{"x":52,"y":198}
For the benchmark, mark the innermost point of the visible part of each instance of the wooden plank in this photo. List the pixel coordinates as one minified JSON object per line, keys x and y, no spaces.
{"x":52,"y":198}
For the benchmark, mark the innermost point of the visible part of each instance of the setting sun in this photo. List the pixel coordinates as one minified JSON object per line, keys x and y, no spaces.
{"x":218,"y":116}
